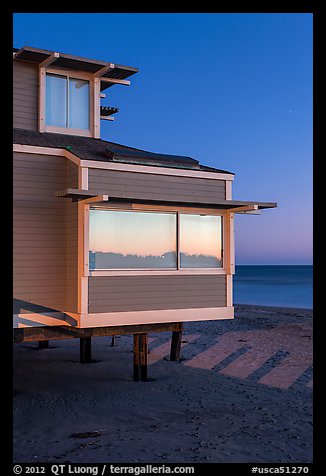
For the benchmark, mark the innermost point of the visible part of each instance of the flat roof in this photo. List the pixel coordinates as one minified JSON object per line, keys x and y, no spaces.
{"x":102,"y":69}
{"x":88,"y":148}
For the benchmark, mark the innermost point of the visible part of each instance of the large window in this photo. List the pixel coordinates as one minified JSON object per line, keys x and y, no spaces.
{"x":200,"y":241}
{"x":67,"y":102}
{"x":151,"y":240}
{"x":132,"y":240}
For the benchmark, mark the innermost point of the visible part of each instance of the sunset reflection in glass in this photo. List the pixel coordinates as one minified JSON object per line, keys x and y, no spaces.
{"x":200,"y":241}
{"x":132,"y":240}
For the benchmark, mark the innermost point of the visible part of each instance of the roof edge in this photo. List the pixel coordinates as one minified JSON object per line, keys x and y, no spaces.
{"x":82,"y":148}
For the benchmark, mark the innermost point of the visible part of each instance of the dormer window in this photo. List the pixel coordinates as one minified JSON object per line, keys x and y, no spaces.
{"x":69,"y":91}
{"x":67,"y":102}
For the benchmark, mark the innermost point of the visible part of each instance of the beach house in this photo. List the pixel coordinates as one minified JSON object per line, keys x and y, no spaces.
{"x":109,"y":239}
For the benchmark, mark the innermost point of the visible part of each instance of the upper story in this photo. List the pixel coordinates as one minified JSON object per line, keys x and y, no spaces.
{"x":61,"y":93}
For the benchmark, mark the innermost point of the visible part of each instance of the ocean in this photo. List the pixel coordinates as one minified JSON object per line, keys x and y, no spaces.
{"x":274,"y":285}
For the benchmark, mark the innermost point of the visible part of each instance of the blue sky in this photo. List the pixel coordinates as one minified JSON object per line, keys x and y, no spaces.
{"x":231,"y":90}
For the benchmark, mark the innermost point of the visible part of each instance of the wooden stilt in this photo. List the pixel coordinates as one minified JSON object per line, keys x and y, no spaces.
{"x":143,"y":357}
{"x":85,"y":350}
{"x":43,"y":344}
{"x":113,"y":341}
{"x":140,"y":357}
{"x":176,"y":345}
{"x":136,"y":356}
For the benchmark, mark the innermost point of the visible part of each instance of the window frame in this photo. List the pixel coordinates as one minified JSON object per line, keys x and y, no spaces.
{"x":142,"y":211}
{"x":94,"y":103}
{"x":159,"y":271}
{"x":180,"y":268}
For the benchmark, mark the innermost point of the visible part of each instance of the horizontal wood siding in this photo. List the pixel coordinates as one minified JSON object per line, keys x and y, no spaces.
{"x":143,"y":293}
{"x":39,"y":232}
{"x":71,"y":241}
{"x":25,"y":95}
{"x":158,"y":187}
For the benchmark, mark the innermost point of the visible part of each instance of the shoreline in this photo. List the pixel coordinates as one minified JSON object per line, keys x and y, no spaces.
{"x":273,"y":307}
{"x":241,"y":393}
{"x":308,"y":312}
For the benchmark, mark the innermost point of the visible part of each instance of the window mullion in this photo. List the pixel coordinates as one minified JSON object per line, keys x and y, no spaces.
{"x":222,"y":242}
{"x":67,"y":103}
{"x":178,"y":240}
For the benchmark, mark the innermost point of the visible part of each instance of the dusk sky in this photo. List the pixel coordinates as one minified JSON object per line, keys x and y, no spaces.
{"x":231,"y":90}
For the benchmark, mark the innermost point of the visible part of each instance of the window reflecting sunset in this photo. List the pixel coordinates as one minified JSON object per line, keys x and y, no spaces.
{"x":200,"y":241}
{"x":126,"y":240}
{"x":148,"y":240}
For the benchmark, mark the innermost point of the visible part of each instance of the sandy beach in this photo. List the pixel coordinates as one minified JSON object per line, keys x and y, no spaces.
{"x":241,"y":393}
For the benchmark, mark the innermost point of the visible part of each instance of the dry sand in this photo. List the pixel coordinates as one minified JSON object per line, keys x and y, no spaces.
{"x":243,"y":393}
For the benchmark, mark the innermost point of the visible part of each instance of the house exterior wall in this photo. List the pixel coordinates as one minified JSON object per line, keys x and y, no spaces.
{"x":44,"y":234}
{"x":143,"y":293}
{"x":25,"y":95}
{"x":156,"y":187}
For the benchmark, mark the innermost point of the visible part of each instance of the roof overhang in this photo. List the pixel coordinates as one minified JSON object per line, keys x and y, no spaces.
{"x":108,"y":73}
{"x":235,"y":206}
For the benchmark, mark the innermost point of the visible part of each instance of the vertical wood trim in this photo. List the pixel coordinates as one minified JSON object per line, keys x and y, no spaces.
{"x":229,"y":290}
{"x":84,"y":250}
{"x":67,"y":102}
{"x":41,"y":100}
{"x":178,"y":240}
{"x":86,"y":241}
{"x":80,"y":253}
{"x":232,"y":247}
{"x":230,"y":265}
{"x":84,"y":294}
{"x":83,"y":178}
{"x":226,"y":242}
{"x":96,"y":108}
{"x":80,"y":177}
{"x":229,"y":254}
{"x":82,"y":276}
{"x":228,"y":190}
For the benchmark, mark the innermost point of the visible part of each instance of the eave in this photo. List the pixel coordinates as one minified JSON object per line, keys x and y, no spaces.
{"x":108,"y":73}
{"x":236,"y":206}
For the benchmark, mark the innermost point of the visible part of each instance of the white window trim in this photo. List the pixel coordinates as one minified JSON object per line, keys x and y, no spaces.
{"x":156,"y":272}
{"x":159,"y":271}
{"x":94,"y":103}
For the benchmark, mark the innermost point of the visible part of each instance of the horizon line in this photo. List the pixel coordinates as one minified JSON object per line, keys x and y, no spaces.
{"x":275,"y":264}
